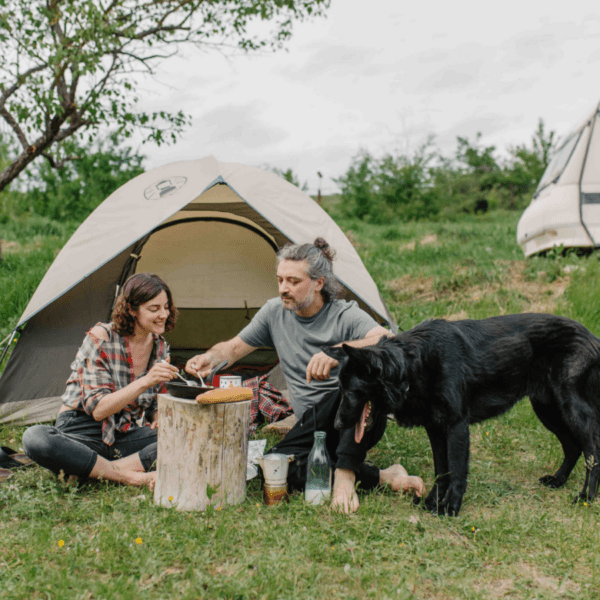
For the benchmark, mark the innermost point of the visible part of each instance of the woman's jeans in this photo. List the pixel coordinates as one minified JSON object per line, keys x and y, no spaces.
{"x":75,"y":441}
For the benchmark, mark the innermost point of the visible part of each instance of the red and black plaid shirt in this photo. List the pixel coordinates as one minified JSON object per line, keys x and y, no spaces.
{"x":103,"y":367}
{"x":268,"y":403}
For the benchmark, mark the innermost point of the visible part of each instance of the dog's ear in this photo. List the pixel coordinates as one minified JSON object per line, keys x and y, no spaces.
{"x":364,"y":361}
{"x":337,"y":352}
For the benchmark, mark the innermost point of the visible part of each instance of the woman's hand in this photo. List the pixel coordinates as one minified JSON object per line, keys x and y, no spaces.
{"x":160,"y":373}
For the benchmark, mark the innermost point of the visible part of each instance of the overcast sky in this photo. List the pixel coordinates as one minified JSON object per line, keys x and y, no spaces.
{"x":382,"y":75}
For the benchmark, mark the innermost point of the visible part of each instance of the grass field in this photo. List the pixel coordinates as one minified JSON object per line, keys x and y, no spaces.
{"x":513,"y":539}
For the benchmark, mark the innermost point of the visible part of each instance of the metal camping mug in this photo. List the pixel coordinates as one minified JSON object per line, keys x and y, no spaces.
{"x":227,"y":381}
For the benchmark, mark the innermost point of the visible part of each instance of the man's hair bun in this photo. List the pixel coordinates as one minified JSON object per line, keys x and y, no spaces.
{"x":325,"y":248}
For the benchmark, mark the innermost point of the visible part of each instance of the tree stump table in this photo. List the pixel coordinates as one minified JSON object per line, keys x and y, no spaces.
{"x":202,"y":453}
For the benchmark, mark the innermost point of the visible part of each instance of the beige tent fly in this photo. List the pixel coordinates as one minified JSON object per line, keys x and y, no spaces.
{"x":565,"y":210}
{"x":210,"y":229}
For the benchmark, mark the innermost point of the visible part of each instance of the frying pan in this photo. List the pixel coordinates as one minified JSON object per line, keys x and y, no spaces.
{"x":189,"y":392}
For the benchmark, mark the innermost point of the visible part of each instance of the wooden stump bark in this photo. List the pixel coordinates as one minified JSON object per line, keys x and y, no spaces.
{"x":202,"y":453}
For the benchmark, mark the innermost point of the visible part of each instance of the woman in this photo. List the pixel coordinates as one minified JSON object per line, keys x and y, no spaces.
{"x":116,"y":375}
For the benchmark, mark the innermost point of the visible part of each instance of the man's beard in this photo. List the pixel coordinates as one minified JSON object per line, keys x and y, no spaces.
{"x":302,"y":304}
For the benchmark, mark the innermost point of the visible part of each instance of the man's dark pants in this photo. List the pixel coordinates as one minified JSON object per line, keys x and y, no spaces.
{"x":343,"y":451}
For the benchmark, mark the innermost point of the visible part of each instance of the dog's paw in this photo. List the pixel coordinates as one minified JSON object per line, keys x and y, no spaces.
{"x":552,"y":482}
{"x":431,"y":504}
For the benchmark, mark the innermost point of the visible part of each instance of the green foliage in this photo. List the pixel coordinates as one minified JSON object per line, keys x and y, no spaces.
{"x":65,"y":67}
{"x":428,"y":185}
{"x":31,"y":244}
{"x":74,"y":191}
{"x":380,"y":190}
{"x":8,"y":199}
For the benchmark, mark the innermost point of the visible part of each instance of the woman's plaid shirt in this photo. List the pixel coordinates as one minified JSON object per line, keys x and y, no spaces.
{"x":103,"y":367}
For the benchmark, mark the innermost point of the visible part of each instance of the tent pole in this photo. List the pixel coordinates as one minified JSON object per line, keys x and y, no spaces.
{"x":12,"y":337}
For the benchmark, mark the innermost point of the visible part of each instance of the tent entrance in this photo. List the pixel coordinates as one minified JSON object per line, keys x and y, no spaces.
{"x":220,"y":271}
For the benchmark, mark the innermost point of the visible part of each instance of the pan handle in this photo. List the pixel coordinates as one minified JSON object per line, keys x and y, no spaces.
{"x":220,"y":366}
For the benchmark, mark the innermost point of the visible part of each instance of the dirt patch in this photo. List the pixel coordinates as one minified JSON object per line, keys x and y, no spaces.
{"x":459,"y":316}
{"x":542,"y":295}
{"x":419,"y":288}
{"x":428,"y":239}
{"x":7,"y":247}
{"x":546,"y":582}
{"x":503,"y":588}
{"x":539,"y":295}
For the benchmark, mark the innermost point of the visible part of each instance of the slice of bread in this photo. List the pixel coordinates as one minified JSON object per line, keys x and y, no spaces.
{"x":232,"y":394}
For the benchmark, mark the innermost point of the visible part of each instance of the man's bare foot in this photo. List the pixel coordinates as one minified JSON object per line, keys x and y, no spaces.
{"x":398,"y":479}
{"x":344,"y":498}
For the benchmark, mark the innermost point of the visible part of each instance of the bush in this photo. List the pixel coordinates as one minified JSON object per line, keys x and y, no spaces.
{"x":381,"y":190}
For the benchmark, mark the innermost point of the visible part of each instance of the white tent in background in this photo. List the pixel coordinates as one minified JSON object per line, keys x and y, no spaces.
{"x":565,"y":210}
{"x":210,"y":229}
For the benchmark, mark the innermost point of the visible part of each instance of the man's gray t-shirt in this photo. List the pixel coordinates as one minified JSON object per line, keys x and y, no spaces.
{"x":296,"y":339}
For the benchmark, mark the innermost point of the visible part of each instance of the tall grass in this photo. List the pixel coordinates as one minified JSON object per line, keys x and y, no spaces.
{"x":513,"y":538}
{"x":31,"y":244}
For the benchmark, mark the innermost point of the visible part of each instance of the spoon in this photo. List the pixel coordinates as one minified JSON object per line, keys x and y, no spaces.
{"x":187,"y":381}
{"x":199,"y":377}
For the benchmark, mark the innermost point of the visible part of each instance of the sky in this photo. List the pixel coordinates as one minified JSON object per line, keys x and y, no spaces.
{"x":382,"y":76}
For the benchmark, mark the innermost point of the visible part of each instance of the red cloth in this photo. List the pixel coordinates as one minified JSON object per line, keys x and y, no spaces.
{"x":268,"y":403}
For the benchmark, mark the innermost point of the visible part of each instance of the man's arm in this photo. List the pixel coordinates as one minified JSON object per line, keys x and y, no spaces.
{"x":231,"y":351}
{"x":320,"y":364}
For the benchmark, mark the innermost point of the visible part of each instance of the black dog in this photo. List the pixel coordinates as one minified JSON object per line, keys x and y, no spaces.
{"x":445,"y":375}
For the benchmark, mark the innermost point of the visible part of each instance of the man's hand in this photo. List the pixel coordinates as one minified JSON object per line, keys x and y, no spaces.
{"x":201,"y":363}
{"x":319,"y":367}
{"x":344,"y":498}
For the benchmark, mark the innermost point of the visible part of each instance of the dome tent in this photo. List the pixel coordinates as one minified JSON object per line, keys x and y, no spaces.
{"x":565,"y":209}
{"x":210,"y":229}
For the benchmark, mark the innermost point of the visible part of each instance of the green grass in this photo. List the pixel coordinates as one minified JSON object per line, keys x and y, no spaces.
{"x":30,"y":247}
{"x":513,"y":538}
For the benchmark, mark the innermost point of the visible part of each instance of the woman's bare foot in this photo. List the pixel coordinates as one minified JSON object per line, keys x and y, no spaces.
{"x":398,"y":479}
{"x":127,"y":470}
{"x":149,"y":480}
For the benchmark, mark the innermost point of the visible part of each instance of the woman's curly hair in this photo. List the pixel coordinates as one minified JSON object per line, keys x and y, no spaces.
{"x":137,"y":290}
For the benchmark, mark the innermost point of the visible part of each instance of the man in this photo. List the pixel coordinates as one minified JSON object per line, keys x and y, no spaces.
{"x":306,"y":317}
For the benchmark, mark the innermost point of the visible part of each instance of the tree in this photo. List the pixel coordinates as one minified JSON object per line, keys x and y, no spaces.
{"x":66,"y":66}
{"x":358,"y":186}
{"x":528,"y":164}
{"x":380,"y":190}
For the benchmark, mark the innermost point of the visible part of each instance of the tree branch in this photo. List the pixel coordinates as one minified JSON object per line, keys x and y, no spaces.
{"x":14,"y":126}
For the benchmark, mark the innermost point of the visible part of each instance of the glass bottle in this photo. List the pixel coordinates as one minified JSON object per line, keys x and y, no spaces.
{"x":318,"y":472}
